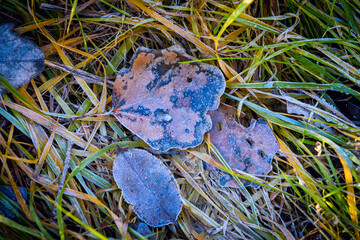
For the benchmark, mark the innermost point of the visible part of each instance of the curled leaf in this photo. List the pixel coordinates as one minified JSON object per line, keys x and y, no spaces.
{"x":147,"y":184}
{"x":20,"y":59}
{"x":165,"y":102}
{"x":247,"y":149}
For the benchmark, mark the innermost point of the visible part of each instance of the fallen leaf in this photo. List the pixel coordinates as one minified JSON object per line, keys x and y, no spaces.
{"x":147,"y":184}
{"x":144,"y":230}
{"x":20,"y":58}
{"x":250,"y":150}
{"x":293,"y":108}
{"x":10,"y":206}
{"x":297,"y":107}
{"x":165,"y":102}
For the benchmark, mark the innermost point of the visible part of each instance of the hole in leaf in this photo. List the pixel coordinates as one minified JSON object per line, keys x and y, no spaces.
{"x":250,"y":141}
{"x":236,"y":119}
{"x":262,"y":154}
{"x":219,"y":126}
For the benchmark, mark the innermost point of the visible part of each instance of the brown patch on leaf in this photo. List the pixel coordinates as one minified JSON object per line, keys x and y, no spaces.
{"x":247,"y":149}
{"x":165,"y":102}
{"x":147,"y":184}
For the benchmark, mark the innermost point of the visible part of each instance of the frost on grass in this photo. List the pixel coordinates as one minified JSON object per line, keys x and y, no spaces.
{"x":20,"y":59}
{"x":166,"y":102}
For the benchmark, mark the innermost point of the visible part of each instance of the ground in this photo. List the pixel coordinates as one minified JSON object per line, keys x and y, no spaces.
{"x":294,"y":64}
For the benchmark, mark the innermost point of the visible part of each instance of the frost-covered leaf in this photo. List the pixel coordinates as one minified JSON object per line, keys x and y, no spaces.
{"x":165,"y":102}
{"x":147,"y":184}
{"x":247,"y":149}
{"x":20,"y":59}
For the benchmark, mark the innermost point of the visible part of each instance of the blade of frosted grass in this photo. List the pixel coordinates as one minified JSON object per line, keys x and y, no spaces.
{"x":117,"y":129}
{"x":318,"y":200}
{"x":177,"y":160}
{"x":85,"y":106}
{"x":247,"y":18}
{"x":120,"y":55}
{"x":233,"y":58}
{"x":335,"y":120}
{"x":117,"y":9}
{"x":83,"y":35}
{"x":257,"y":58}
{"x":248,"y":230}
{"x":61,"y":102}
{"x":41,"y":140}
{"x":332,"y":168}
{"x":19,"y":227}
{"x":89,"y":93}
{"x":182,"y":225}
{"x":36,"y":218}
{"x":20,"y":118}
{"x":355,"y":61}
{"x":11,"y":208}
{"x":288,"y":122}
{"x":248,"y":195}
{"x":204,"y":157}
{"x":240,"y":8}
{"x":327,"y":209}
{"x":350,"y":17}
{"x":307,"y":64}
{"x":216,"y":29}
{"x":318,"y":29}
{"x":92,"y":177}
{"x":330,"y":185}
{"x":80,"y":209}
{"x":78,"y":221}
{"x":346,"y":162}
{"x":14,"y":121}
{"x":72,"y":13}
{"x":139,"y":236}
{"x":194,"y":26}
{"x":353,"y":159}
{"x":80,"y":178}
{"x":294,"y":162}
{"x":298,"y":85}
{"x":188,"y":35}
{"x":333,"y":65}
{"x":93,"y":157}
{"x":352,"y":43}
{"x":346,"y":67}
{"x":200,"y":214}
{"x":49,"y":123}
{"x":256,"y":25}
{"x":15,"y":92}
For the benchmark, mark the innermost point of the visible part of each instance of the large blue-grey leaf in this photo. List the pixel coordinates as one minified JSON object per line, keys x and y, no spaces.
{"x":20,"y":58}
